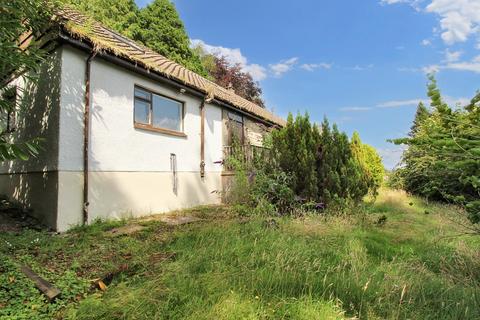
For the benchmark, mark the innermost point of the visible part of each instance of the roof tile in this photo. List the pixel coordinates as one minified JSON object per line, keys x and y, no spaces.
{"x":121,"y":46}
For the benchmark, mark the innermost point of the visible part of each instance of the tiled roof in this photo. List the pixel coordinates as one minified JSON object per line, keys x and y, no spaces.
{"x":80,"y":26}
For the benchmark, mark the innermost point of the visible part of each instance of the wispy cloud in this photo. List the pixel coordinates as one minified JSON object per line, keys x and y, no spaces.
{"x":362,"y":67}
{"x":452,"y":101}
{"x":278,"y":69}
{"x":393,"y":1}
{"x":408,"y":103}
{"x":470,"y":66}
{"x":312,"y":66}
{"x":452,"y":56}
{"x":234,"y":56}
{"x":391,"y":156}
{"x":426,"y":42}
{"x":258,"y":72}
{"x":401,"y":103}
{"x":414,"y":3}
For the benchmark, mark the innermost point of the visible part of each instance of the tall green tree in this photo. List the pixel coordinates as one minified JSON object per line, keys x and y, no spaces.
{"x":370,"y":163}
{"x":294,"y":149}
{"x":120,"y":15}
{"x":157,"y":26}
{"x":342,"y":170}
{"x":442,"y":161}
{"x":375,"y":168}
{"x":162,"y":30}
{"x":421,"y":115}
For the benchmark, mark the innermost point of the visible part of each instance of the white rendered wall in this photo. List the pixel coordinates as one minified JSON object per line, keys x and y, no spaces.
{"x":117,"y":146}
{"x":130,"y":170}
{"x":33,"y":183}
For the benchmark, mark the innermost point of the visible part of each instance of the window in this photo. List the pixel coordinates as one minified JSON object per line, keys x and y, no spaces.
{"x":236,"y":129}
{"x":158,"y":113}
{"x":8,"y":110}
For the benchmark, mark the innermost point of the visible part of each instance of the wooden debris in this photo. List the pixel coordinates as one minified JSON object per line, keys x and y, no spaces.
{"x":101,"y":285}
{"x":43,"y":285}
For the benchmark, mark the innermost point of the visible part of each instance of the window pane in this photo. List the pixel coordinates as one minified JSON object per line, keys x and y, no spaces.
{"x":8,"y":117}
{"x":142,"y":109}
{"x":167,"y":113}
{"x":236,"y":133}
{"x":142,"y":94}
{"x":235,"y":117}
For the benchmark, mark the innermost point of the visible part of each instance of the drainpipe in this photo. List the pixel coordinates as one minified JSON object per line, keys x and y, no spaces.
{"x":206,"y":99}
{"x":202,"y":139}
{"x":86,"y":135}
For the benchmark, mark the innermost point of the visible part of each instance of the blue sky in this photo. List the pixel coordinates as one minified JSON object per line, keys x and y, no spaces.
{"x":362,"y":64}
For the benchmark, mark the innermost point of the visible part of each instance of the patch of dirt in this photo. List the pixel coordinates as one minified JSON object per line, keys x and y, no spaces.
{"x":173,"y":220}
{"x":14,"y":219}
{"x":126,"y":230}
{"x":161,"y":256}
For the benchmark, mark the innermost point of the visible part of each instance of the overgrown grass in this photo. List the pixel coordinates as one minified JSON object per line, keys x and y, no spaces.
{"x":413,"y":266}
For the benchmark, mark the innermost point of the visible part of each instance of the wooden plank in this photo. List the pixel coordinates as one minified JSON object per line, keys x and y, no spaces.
{"x":43,"y":285}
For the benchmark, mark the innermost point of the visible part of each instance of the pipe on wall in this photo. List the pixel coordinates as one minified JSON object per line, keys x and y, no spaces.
{"x":206,"y":99}
{"x":86,"y":136}
{"x":202,"y":139}
{"x":157,"y":77}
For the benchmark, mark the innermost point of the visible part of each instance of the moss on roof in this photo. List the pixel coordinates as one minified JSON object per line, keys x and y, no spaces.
{"x":104,"y":39}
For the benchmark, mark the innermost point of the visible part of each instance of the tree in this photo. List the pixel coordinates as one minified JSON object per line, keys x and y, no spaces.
{"x":18,"y":18}
{"x":340,"y":174}
{"x":375,"y":168}
{"x":232,"y":77}
{"x":319,"y":164}
{"x":420,"y":116}
{"x":119,"y":15}
{"x":162,"y":30}
{"x":442,"y":161}
{"x":294,"y":149}
{"x":157,"y":26}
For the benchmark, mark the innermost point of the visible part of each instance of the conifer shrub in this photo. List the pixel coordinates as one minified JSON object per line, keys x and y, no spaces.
{"x":306,"y":168}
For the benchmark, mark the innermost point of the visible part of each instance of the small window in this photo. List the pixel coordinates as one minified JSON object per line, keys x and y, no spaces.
{"x":154,"y":111}
{"x":235,"y":117}
{"x":9,"y":108}
{"x":236,"y":129}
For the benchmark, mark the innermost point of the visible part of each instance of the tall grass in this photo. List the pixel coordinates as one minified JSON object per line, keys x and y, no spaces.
{"x":308,"y":269}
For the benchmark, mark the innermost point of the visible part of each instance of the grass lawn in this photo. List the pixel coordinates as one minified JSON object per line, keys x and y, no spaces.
{"x":414,"y":266}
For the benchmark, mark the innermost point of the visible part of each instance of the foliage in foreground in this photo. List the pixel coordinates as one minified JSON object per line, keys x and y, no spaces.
{"x":442,"y":161}
{"x":17,"y":18}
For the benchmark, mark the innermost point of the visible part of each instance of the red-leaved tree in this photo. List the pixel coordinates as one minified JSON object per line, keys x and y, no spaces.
{"x":232,"y":77}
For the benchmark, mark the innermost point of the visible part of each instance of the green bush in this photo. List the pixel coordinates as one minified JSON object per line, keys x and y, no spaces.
{"x":306,"y":169}
{"x":442,"y":161}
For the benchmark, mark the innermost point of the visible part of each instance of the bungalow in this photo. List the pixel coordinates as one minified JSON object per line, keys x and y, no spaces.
{"x":127,"y":132}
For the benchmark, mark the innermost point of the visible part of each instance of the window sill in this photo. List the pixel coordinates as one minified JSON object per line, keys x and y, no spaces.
{"x":159,"y":130}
